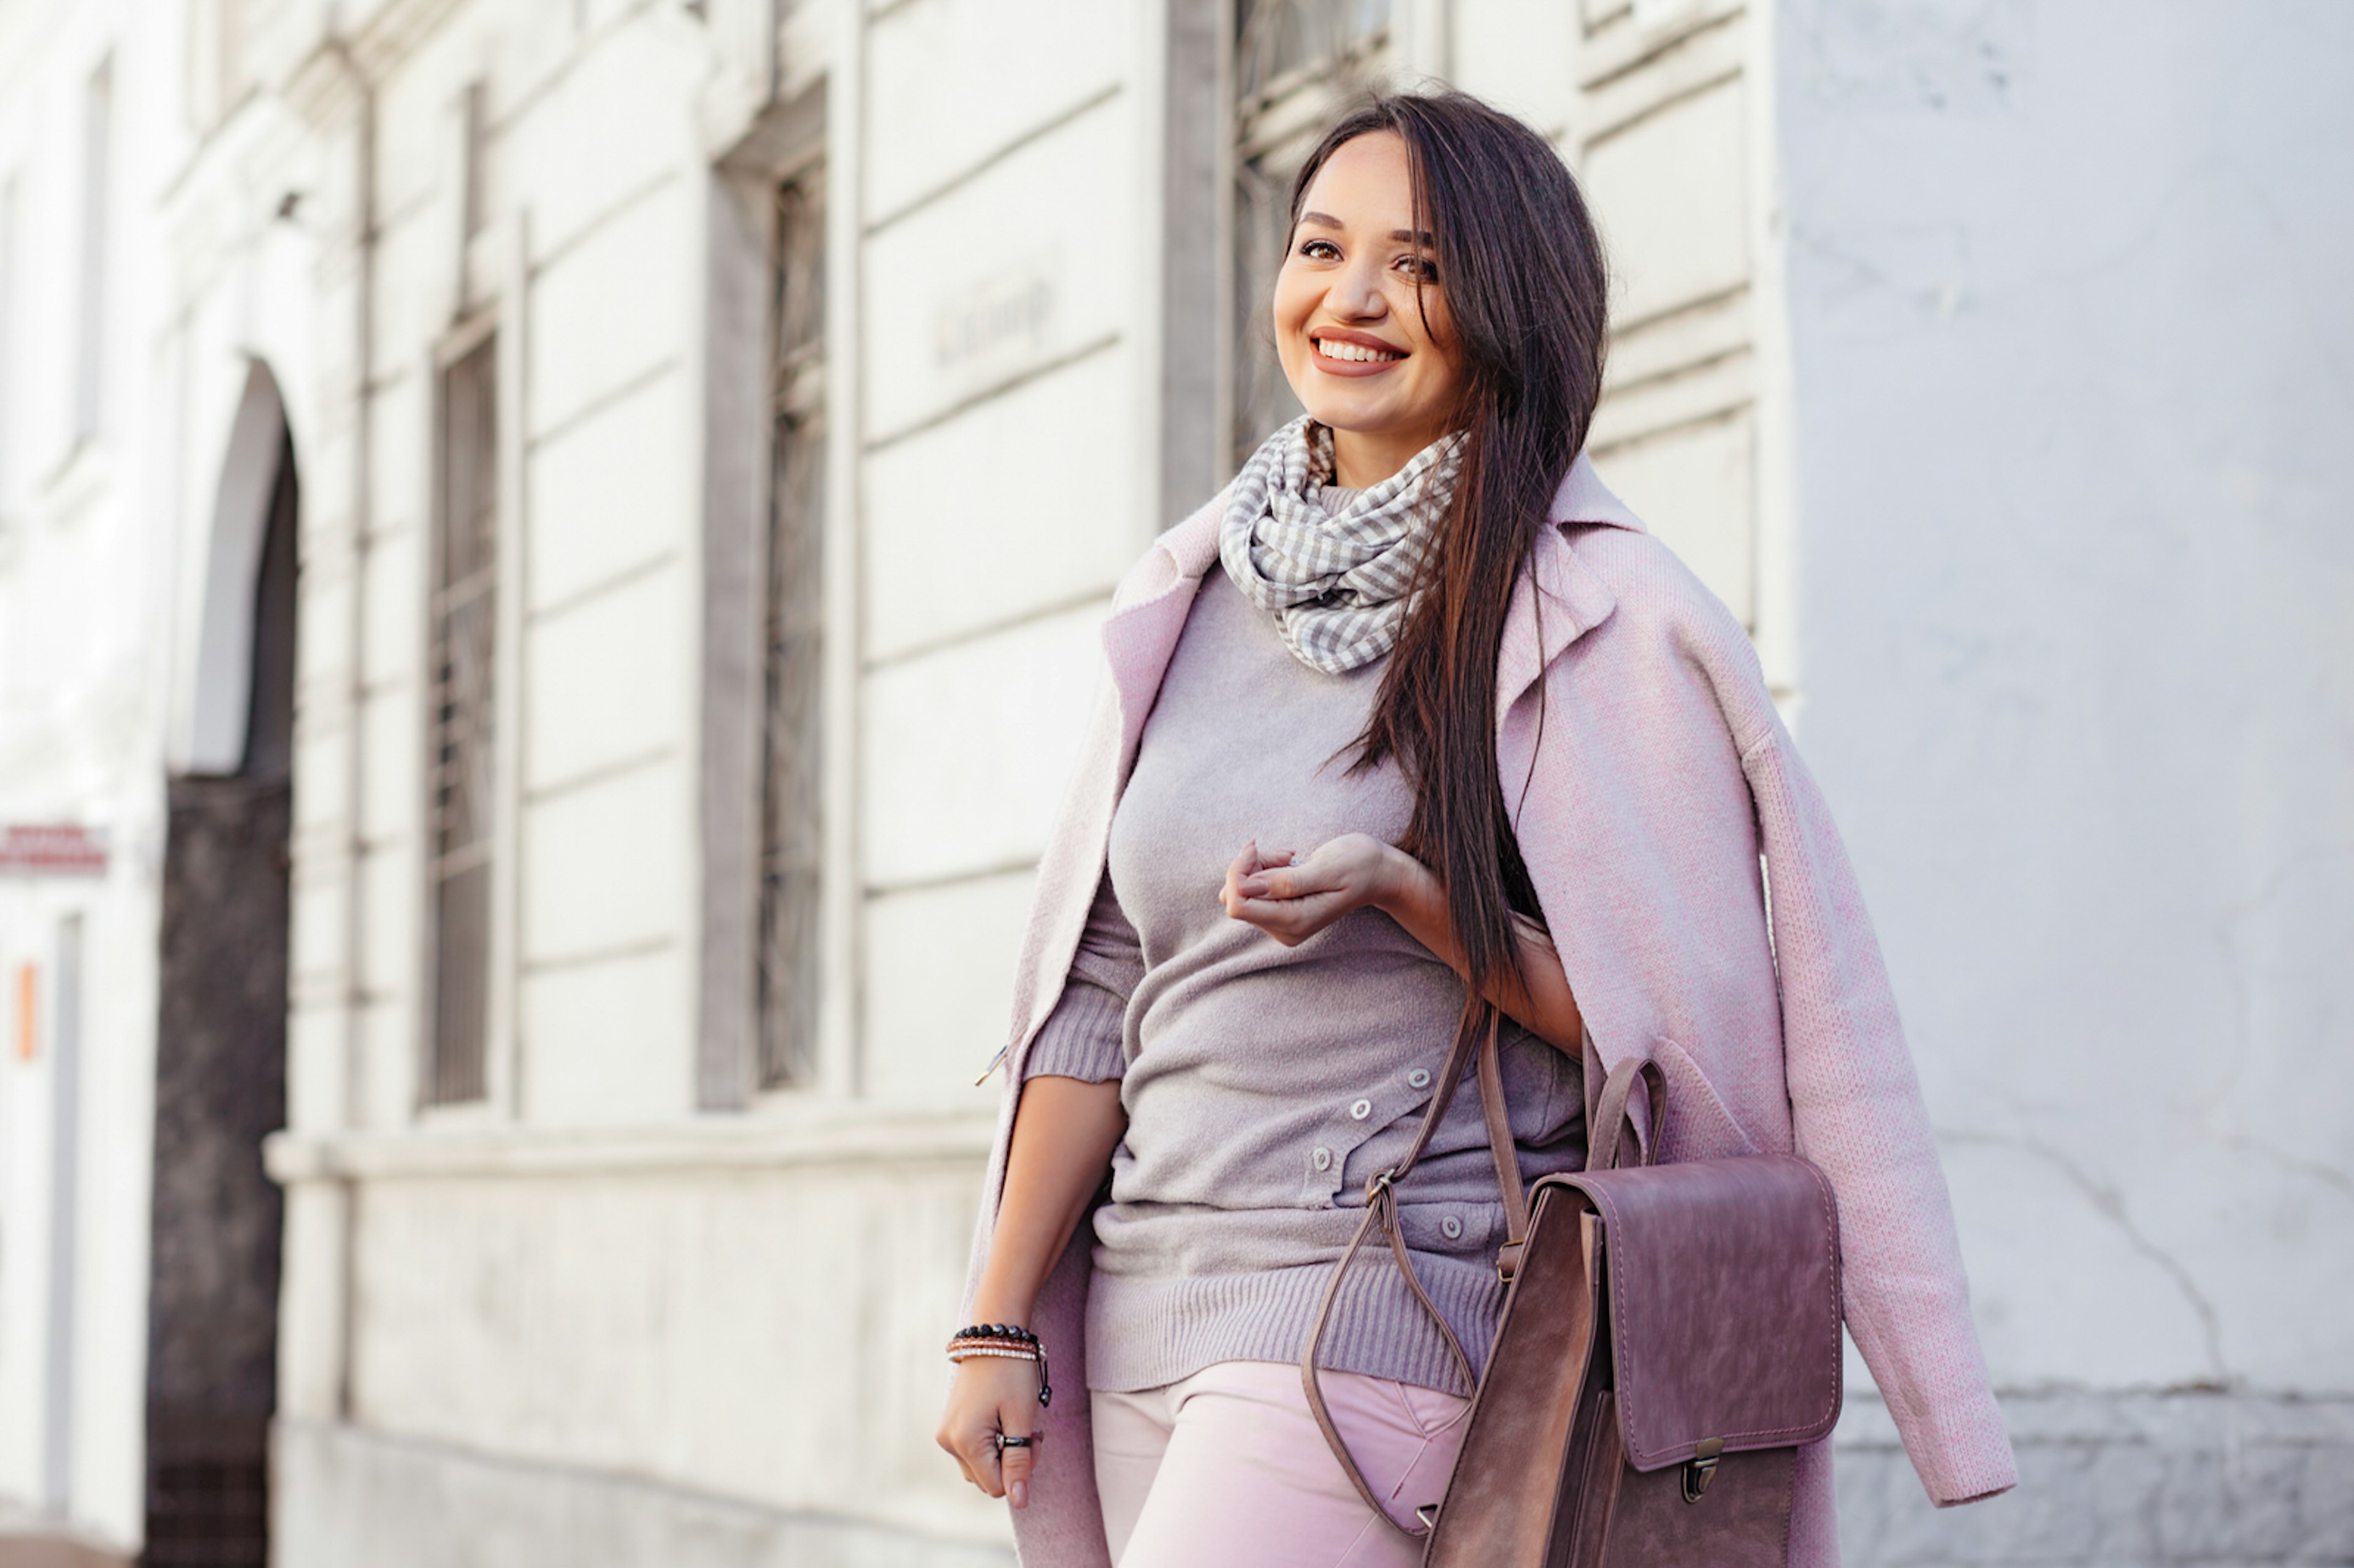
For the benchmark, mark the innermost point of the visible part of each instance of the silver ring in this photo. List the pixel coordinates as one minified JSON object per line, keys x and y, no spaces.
{"x":1005,"y":1441}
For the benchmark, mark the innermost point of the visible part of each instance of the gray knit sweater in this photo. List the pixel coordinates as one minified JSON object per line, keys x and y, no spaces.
{"x":1263,"y":1084}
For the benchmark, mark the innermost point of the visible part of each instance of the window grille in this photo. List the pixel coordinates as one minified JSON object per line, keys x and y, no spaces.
{"x":791,"y":781}
{"x":1296,"y":62}
{"x":465,"y":603}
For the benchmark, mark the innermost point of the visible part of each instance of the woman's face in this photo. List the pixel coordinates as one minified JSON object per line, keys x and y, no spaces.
{"x":1363,"y":355}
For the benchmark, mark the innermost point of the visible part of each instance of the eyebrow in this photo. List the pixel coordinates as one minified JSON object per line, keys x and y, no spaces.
{"x":1326,"y":221}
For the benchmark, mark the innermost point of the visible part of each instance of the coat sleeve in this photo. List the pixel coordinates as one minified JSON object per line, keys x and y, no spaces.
{"x":1856,"y":1108}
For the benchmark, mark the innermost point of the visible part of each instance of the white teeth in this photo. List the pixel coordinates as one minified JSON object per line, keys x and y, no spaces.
{"x":1354,"y":352}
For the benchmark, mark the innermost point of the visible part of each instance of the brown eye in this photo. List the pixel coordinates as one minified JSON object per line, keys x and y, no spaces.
{"x":1321,"y":250}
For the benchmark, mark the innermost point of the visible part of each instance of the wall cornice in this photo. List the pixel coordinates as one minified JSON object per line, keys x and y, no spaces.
{"x":323,"y":86}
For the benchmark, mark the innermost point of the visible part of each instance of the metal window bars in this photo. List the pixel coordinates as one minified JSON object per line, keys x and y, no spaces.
{"x":466,"y":605}
{"x":792,"y":642}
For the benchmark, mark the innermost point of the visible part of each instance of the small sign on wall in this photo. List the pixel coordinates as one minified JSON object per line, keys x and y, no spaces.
{"x":51,"y":849}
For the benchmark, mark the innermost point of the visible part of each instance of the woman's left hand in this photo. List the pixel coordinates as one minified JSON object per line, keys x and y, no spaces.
{"x":1293,"y":902}
{"x":1293,"y":898}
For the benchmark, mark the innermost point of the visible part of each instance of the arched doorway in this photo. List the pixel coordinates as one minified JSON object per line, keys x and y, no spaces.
{"x":220,"y":1044}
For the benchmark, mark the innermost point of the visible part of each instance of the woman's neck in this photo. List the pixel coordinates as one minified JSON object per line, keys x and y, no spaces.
{"x":1362,"y":460}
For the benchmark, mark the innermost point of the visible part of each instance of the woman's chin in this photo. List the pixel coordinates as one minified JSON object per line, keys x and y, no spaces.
{"x":1348,"y":415}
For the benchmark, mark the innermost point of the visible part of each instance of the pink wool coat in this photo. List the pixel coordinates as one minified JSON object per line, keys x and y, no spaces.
{"x":1643,"y":801}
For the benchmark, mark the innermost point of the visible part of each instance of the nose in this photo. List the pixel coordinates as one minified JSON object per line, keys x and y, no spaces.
{"x":1356,"y":293}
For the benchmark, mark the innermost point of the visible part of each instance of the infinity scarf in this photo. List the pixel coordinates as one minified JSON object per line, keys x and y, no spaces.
{"x":1337,"y":584}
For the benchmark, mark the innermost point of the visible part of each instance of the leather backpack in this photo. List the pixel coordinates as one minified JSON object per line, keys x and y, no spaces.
{"x":1670,"y":1338}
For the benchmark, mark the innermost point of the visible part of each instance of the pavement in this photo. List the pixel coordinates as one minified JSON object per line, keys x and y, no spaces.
{"x":55,"y":1551}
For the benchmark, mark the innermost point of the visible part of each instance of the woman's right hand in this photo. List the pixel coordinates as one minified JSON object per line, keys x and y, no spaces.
{"x":991,"y":1394}
{"x":1064,"y":1131}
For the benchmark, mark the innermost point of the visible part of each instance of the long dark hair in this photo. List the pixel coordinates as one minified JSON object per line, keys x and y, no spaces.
{"x":1525,"y":285}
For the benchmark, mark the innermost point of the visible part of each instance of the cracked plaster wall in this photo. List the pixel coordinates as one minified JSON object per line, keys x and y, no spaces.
{"x":2074,"y":370}
{"x":2073,"y":363}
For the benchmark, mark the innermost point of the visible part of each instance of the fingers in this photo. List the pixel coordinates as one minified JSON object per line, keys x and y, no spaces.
{"x":975,"y":1448}
{"x":1245,"y":864}
{"x":986,"y":1397}
{"x":1014,"y":1464}
{"x":1296,"y":876}
{"x":1293,"y":920}
{"x":1242,"y":876}
{"x":990,"y":1466}
{"x":1000,"y":1401}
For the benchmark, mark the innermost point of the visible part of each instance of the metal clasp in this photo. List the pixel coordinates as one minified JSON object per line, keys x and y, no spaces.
{"x":1701,"y":1469}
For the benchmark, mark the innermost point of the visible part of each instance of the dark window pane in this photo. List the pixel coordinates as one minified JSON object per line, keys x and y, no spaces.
{"x":465,"y":641}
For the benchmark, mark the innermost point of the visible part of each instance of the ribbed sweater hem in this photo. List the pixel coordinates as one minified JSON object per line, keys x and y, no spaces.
{"x":1145,"y":1332}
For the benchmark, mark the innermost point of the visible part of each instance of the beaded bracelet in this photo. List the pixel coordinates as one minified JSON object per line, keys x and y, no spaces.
{"x":995,"y":1332}
{"x":1004,"y":1341}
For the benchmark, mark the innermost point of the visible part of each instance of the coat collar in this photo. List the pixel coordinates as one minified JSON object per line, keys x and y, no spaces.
{"x":1556,"y":602}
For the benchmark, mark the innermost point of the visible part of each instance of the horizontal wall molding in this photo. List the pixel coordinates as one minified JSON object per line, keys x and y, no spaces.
{"x":783,"y":1134}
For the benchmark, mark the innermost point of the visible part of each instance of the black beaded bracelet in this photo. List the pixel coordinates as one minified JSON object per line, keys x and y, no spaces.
{"x":995,"y":1332}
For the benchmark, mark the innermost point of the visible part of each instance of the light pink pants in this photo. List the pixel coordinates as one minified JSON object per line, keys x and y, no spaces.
{"x":1228,"y":1467}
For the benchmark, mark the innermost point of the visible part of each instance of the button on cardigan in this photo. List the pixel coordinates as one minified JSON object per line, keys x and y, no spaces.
{"x":1263,"y":1085}
{"x":1647,"y":773}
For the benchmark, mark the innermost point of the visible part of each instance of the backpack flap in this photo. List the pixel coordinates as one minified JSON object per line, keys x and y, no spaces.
{"x":1723,"y":1281}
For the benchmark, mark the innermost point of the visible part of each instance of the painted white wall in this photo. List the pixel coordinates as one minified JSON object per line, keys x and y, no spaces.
{"x":2072,"y":339}
{"x":87,"y":600}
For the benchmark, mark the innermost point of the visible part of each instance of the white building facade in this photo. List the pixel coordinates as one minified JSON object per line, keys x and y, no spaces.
{"x":632,"y":485}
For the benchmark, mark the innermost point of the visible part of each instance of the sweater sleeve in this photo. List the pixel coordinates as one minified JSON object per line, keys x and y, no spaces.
{"x":1082,"y":1037}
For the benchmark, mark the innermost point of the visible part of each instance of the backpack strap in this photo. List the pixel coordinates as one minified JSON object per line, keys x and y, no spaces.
{"x":1381,"y":1212}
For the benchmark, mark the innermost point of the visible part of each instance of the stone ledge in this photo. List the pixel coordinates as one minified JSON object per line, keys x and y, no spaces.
{"x":814,"y":1134}
{"x":350,"y":1498}
{"x":2193,"y":1480}
{"x":2189,"y":1417}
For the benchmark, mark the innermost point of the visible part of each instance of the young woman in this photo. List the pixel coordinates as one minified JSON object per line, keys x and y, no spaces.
{"x":1412,"y":720}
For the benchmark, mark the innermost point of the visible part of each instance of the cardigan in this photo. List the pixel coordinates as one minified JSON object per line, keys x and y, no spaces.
{"x":1264,"y":1084}
{"x":1649,"y":777}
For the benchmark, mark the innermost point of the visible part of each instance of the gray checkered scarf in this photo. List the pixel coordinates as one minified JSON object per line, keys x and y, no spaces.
{"x":1337,"y":584}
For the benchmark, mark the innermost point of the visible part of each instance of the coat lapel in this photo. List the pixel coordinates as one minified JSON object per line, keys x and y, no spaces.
{"x":1558,"y":599}
{"x":1149,"y":616}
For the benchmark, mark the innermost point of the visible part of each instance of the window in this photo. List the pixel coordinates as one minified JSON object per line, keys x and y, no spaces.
{"x":474,"y":196}
{"x":58,"y":1402}
{"x":97,"y":114}
{"x":791,"y":781}
{"x":8,"y":331}
{"x":1661,"y":142}
{"x":1296,"y":62}
{"x":217,"y":78}
{"x":465,"y":602}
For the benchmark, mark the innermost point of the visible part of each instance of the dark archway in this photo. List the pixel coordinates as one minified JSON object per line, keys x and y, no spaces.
{"x":220,"y":1089}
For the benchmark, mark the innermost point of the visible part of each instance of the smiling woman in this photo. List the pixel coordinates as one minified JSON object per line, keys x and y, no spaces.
{"x":1256,"y":944}
{"x":1355,"y":542}
{"x":1360,"y":318}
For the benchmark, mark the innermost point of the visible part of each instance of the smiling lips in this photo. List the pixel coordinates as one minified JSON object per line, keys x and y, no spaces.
{"x":1353,"y":355}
